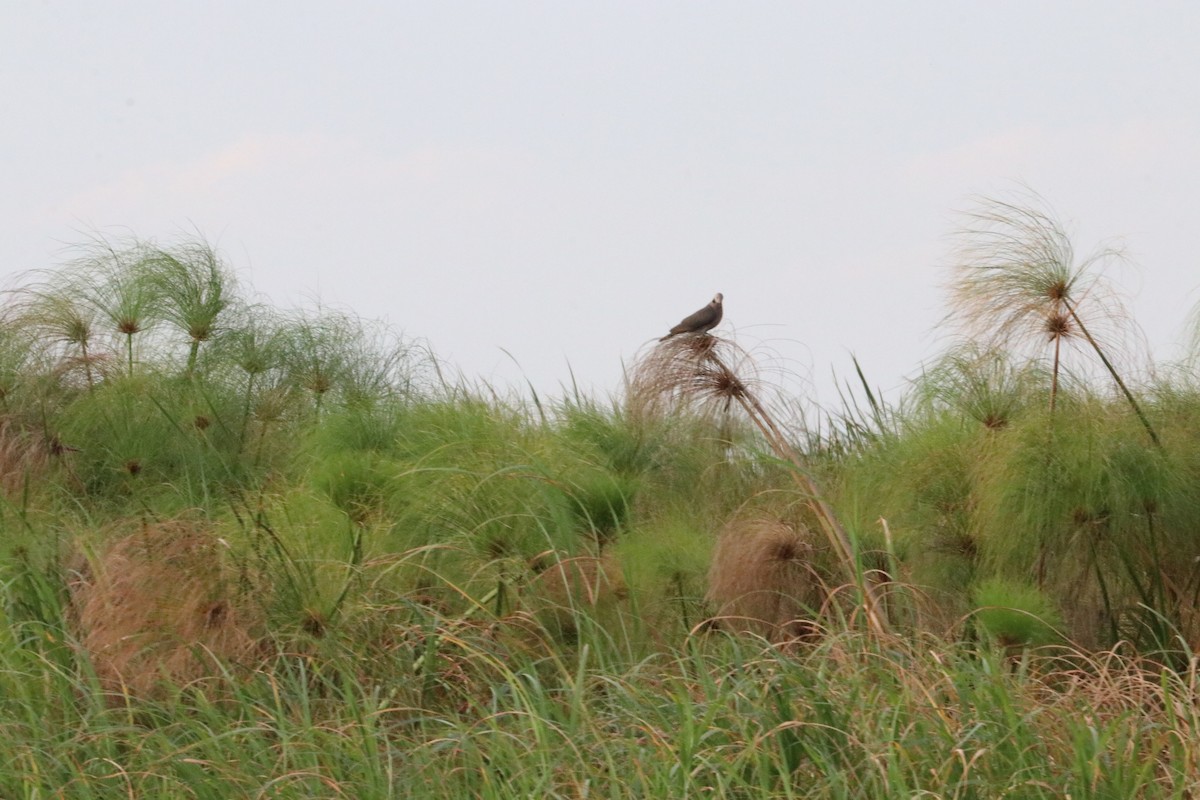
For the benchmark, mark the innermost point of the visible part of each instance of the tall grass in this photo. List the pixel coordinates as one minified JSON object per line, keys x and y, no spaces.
{"x":262,"y":552}
{"x":1017,"y":282}
{"x":449,"y":707}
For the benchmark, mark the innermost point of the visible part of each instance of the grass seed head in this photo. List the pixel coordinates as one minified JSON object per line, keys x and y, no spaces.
{"x":695,"y":372}
{"x":761,"y":580}
{"x":160,"y":605}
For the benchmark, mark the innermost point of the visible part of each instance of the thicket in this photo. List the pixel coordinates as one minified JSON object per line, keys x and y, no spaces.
{"x":251,"y":551}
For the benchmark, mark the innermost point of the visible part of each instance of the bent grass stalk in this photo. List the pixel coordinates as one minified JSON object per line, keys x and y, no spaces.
{"x":1133,"y":403}
{"x":1017,"y":281}
{"x":690,"y":369}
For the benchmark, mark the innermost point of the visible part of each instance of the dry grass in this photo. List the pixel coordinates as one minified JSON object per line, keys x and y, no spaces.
{"x":571,"y":585}
{"x":705,"y":374}
{"x":1018,"y":282}
{"x":24,"y":458}
{"x":700,"y":373}
{"x":161,"y":605}
{"x":761,"y":580}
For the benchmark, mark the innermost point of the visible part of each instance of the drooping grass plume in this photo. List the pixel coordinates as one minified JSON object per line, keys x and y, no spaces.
{"x":196,"y":289}
{"x":25,"y":459}
{"x":112,"y":278}
{"x":24,"y":365}
{"x":1017,"y":281}
{"x":565,"y":591}
{"x":982,"y":384}
{"x":253,"y":353}
{"x":67,"y":327}
{"x":762,"y":580}
{"x":697,"y":373}
{"x":335,"y":354}
{"x":163,"y":605}
{"x":104,"y":296}
{"x":702,"y":374}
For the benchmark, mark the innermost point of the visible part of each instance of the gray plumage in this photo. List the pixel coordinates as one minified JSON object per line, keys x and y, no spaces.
{"x":702,"y":321}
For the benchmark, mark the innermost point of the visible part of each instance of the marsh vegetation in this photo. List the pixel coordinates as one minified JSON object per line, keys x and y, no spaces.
{"x":258,"y":552}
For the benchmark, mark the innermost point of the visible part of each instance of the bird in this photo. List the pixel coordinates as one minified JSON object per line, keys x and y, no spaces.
{"x":702,"y":321}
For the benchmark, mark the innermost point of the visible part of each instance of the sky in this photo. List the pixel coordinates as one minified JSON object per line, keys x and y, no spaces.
{"x":541,"y":189}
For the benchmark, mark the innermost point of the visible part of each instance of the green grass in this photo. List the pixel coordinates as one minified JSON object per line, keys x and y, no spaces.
{"x":450,"y":708}
{"x":252,"y":552}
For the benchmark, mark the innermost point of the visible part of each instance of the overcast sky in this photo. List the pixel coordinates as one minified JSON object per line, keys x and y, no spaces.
{"x":564,"y":181}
